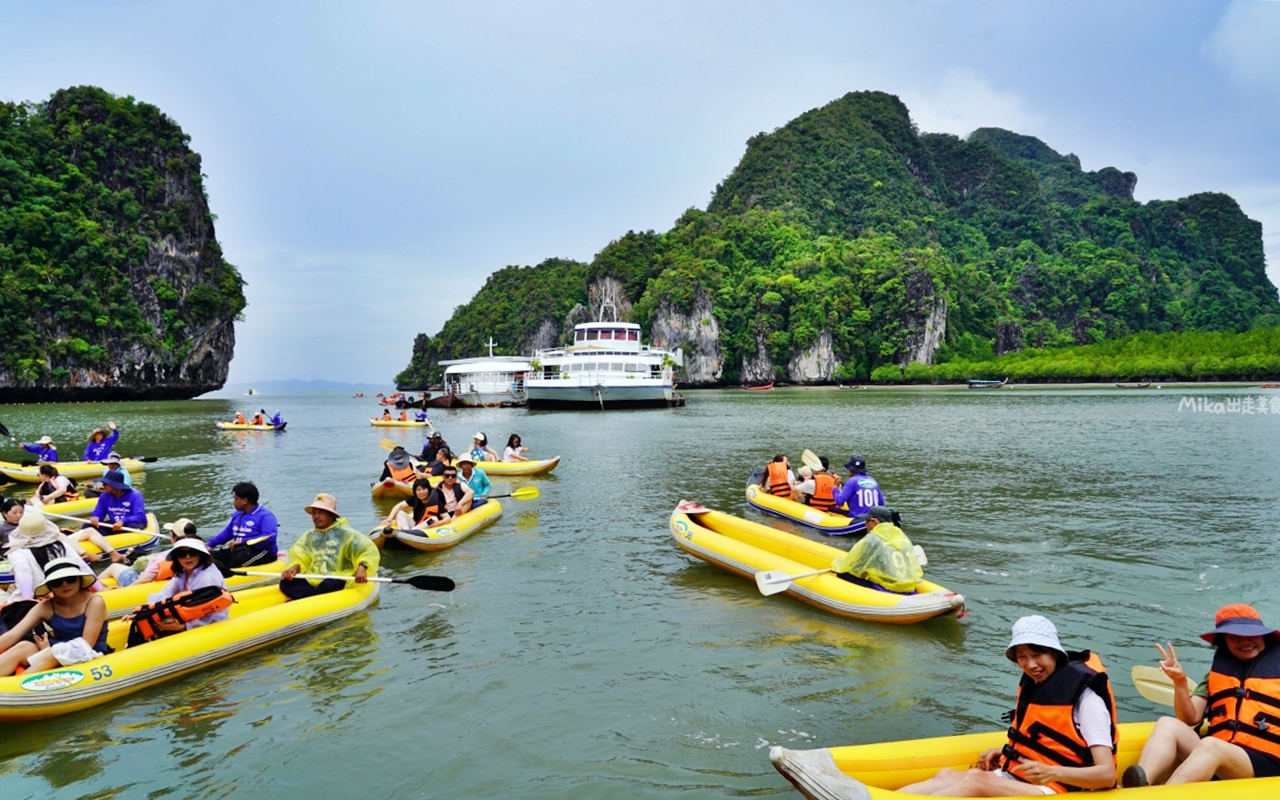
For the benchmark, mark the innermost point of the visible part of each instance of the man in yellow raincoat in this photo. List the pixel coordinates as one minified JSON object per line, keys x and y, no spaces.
{"x":885,"y":557}
{"x":332,"y":547}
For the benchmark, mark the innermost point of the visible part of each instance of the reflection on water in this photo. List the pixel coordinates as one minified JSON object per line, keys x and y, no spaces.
{"x":584,"y":655}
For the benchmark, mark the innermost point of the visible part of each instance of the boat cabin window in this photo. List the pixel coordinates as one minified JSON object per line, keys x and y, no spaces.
{"x":615,"y":367}
{"x":633,"y":367}
{"x":633,"y":336}
{"x":593,"y":335}
{"x":579,"y":336}
{"x":606,"y":334}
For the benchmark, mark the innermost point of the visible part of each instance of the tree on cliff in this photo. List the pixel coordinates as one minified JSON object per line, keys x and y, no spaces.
{"x":114,"y":282}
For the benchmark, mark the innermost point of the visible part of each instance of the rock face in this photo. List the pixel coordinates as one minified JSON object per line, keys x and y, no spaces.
{"x":759,"y":367}
{"x":543,"y":337}
{"x":697,"y":333}
{"x":133,"y":299}
{"x":816,"y":364}
{"x":1008,"y":337}
{"x":608,"y":300}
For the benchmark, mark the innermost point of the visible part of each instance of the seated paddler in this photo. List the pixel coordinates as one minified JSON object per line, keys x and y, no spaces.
{"x":68,"y":627}
{"x":883,"y":559}
{"x":861,"y":492}
{"x":778,"y":479}
{"x":331,"y":547}
{"x":398,"y":466}
{"x":1062,"y":735}
{"x":1240,"y":698}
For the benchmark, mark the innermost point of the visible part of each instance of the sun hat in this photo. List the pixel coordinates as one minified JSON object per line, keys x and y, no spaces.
{"x":856,"y":464}
{"x":45,"y":440}
{"x":34,"y":530}
{"x":64,"y":568}
{"x":1036,"y":630}
{"x":115,"y":479}
{"x":1237,"y":619}
{"x":878,"y":513}
{"x":399,"y":458}
{"x":112,"y":458}
{"x":805,"y":472}
{"x":95,"y":432}
{"x":179,"y":526}
{"x":466,"y":458}
{"x":481,"y":438}
{"x":188,"y":543}
{"x":324,"y":502}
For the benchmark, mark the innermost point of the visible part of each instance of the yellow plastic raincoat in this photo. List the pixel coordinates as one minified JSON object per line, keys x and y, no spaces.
{"x":885,"y":556}
{"x":337,"y":550}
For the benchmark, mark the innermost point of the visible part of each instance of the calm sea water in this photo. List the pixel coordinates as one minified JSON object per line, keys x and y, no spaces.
{"x":584,"y":655}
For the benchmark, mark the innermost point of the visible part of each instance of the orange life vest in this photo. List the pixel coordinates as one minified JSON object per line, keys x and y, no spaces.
{"x":404,"y":416}
{"x":239,"y":419}
{"x":183,"y":607}
{"x":165,"y":572}
{"x":1043,"y":728}
{"x":257,"y":419}
{"x":776,"y":480}
{"x":404,"y":475}
{"x":824,"y":495}
{"x":1244,"y":700}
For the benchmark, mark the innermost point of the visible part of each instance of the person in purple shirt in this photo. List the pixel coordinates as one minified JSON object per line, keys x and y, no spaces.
{"x":860,"y":493}
{"x":250,"y":536}
{"x":101,"y":442}
{"x":43,"y":448}
{"x":118,"y":506}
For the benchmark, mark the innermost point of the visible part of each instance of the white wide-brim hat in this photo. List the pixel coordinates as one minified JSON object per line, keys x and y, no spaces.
{"x":1036,"y":630}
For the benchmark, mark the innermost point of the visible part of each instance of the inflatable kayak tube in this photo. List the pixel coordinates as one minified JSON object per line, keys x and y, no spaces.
{"x":453,"y":531}
{"x":392,"y":488}
{"x":786,"y":508}
{"x":259,"y":617}
{"x":876,"y":771}
{"x":75,"y":508}
{"x":118,"y":541}
{"x":518,"y":467}
{"x":397,"y":423}
{"x":244,"y":426}
{"x":744,"y":547}
{"x":122,"y":601}
{"x":77,"y":470}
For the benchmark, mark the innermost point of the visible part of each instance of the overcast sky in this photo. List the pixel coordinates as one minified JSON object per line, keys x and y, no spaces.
{"x":371,"y":163}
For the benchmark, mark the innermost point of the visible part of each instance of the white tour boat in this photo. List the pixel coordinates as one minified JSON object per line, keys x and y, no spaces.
{"x":605,"y":367}
{"x":487,"y":381}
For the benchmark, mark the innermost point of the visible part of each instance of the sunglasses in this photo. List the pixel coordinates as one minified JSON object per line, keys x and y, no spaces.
{"x":186,"y":553}
{"x":450,"y":475}
{"x":54,"y":583}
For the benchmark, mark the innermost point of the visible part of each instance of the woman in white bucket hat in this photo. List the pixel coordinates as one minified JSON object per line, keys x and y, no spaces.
{"x":1066,"y":693}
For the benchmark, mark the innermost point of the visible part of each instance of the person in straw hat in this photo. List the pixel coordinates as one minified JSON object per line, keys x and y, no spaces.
{"x":1066,"y":693}
{"x":33,"y":545}
{"x":1240,"y":698}
{"x":43,"y":448}
{"x":74,"y":613}
{"x":331,"y":547}
{"x":100,"y":442}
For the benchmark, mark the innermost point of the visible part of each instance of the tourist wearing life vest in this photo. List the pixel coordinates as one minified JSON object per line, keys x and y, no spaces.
{"x":260,"y":418}
{"x":249,"y":538}
{"x":386,"y":414}
{"x":149,"y":569}
{"x":1240,"y":699}
{"x":412,"y":514}
{"x":451,"y":498}
{"x":54,"y":488}
{"x":239,"y":418}
{"x":883,"y":559}
{"x":43,"y":448}
{"x":332,"y":547}
{"x":1063,"y":732}
{"x":779,"y":480}
{"x":192,"y":569}
{"x":860,"y":493}
{"x":398,"y":466}
{"x":820,"y":490}
{"x":100,"y":442}
{"x":74,"y":613}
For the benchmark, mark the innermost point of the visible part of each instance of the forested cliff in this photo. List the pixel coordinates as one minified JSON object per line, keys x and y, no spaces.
{"x":847,"y":240}
{"x":114,"y":284}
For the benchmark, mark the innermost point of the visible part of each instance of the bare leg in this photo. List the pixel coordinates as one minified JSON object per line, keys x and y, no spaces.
{"x":99,"y":541}
{"x":1213,"y":757}
{"x":12,"y":658}
{"x":972,"y":783}
{"x":1170,"y":743}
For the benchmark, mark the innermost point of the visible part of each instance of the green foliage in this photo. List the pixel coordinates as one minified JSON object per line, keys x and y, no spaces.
{"x":1189,"y":355}
{"x":90,"y":184}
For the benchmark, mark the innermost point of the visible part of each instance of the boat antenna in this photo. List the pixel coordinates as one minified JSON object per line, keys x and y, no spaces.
{"x":606,"y":302}
{"x":490,"y":347}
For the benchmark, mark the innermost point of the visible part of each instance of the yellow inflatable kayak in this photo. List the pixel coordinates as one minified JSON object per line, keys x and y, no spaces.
{"x":453,"y":531}
{"x":245,"y":426}
{"x":118,"y":541}
{"x":259,"y":618}
{"x":78,"y":470}
{"x":122,"y":601}
{"x":745,"y":548}
{"x":378,"y":422}
{"x":875,"y":771}
{"x":75,"y":508}
{"x":786,"y":508}
{"x":517,"y":467}
{"x":398,"y":490}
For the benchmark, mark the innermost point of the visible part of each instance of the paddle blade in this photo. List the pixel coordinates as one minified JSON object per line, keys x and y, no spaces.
{"x":388,"y":444}
{"x":772,"y":582}
{"x":810,"y":460}
{"x":5,"y":431}
{"x":1153,"y":684}
{"x":432,"y":583}
{"x":526,"y":493}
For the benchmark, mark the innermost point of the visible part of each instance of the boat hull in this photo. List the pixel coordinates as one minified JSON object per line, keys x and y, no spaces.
{"x":398,"y":490}
{"x":788,"y":509}
{"x":118,"y":541}
{"x":260,"y":617}
{"x":397,"y":423}
{"x":514,"y":468}
{"x":121,"y":601}
{"x":876,"y":771}
{"x":598,"y":396}
{"x":79,"y":470}
{"x":453,"y":531}
{"x":746,"y":548}
{"x":237,"y":426}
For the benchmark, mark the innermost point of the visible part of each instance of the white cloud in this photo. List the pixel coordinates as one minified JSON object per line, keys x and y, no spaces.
{"x":964,"y":101}
{"x":1247,"y":43}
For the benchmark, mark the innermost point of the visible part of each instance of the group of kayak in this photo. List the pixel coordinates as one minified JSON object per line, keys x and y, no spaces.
{"x":259,"y":422}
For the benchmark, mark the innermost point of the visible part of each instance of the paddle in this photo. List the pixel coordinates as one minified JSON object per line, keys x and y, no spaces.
{"x":5,"y":432}
{"x":1153,"y":684}
{"x":775,"y":581}
{"x":523,"y":493}
{"x":78,"y":519}
{"x":811,"y":461}
{"x":431,"y":583}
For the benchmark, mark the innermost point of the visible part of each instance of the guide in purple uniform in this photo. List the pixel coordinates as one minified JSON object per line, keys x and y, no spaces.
{"x":860,"y":492}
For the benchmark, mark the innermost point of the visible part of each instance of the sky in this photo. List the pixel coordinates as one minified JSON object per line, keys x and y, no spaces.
{"x":371,"y":163}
